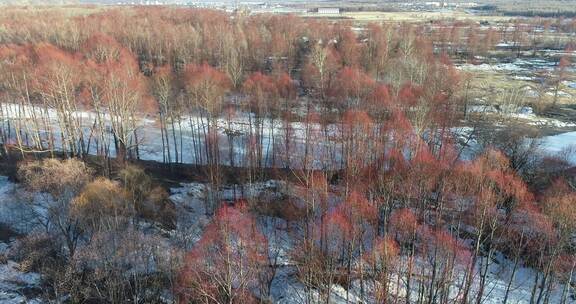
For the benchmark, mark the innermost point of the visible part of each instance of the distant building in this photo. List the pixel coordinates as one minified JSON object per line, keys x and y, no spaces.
{"x":329,"y":11}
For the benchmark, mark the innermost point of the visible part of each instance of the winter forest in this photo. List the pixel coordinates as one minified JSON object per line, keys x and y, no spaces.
{"x":186,"y":155}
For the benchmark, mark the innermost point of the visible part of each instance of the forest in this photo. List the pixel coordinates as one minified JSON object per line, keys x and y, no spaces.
{"x":179,"y":155}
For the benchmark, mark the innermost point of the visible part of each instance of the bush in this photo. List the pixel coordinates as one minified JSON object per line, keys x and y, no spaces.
{"x":35,"y":252}
{"x":149,"y":202}
{"x":101,"y":203}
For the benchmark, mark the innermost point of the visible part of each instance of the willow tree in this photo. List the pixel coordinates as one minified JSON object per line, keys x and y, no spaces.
{"x":123,"y":90}
{"x":206,"y":88}
{"x":163,"y":89}
{"x":56,"y":82}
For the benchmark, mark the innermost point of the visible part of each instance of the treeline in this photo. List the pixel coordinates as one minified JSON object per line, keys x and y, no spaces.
{"x":125,"y":64}
{"x":546,"y":14}
{"x":84,"y":91}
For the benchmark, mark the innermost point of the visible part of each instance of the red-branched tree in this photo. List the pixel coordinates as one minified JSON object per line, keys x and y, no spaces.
{"x":206,"y":88}
{"x":225,"y":265}
{"x":351,"y":88}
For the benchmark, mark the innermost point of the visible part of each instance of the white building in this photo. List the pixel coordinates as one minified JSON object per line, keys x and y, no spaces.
{"x":329,"y":11}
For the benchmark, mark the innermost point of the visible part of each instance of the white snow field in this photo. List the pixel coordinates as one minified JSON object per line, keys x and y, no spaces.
{"x":233,"y":134}
{"x":324,"y":148}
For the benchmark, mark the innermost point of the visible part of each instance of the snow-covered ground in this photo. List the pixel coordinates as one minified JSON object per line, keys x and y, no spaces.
{"x":234,"y":135}
{"x":518,"y":66}
{"x":324,"y":148}
{"x":521,"y":288}
{"x":563,"y":144}
{"x":15,"y":285}
{"x":22,"y":211}
{"x":287,"y":289}
{"x":524,"y":113}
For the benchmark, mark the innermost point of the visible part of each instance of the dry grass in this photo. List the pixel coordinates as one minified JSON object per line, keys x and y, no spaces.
{"x":492,"y":86}
{"x":538,"y":7}
{"x":410,"y":16}
{"x":68,"y":11}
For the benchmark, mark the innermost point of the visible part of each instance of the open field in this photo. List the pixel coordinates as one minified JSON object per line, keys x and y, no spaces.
{"x":493,"y":79}
{"x":459,"y":15}
{"x":534,"y":8}
{"x":67,"y":11}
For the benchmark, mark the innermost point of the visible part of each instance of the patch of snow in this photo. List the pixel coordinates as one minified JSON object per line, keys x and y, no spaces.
{"x":503,"y":44}
{"x":527,"y":113}
{"x":529,"y":92}
{"x":570,"y":84}
{"x":3,"y":247}
{"x":560,"y":94}
{"x":13,"y":283}
{"x":521,"y":112}
{"x":523,"y":68}
{"x":527,"y":78}
{"x":482,"y":109}
{"x":21,"y":210}
{"x":563,"y":144}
